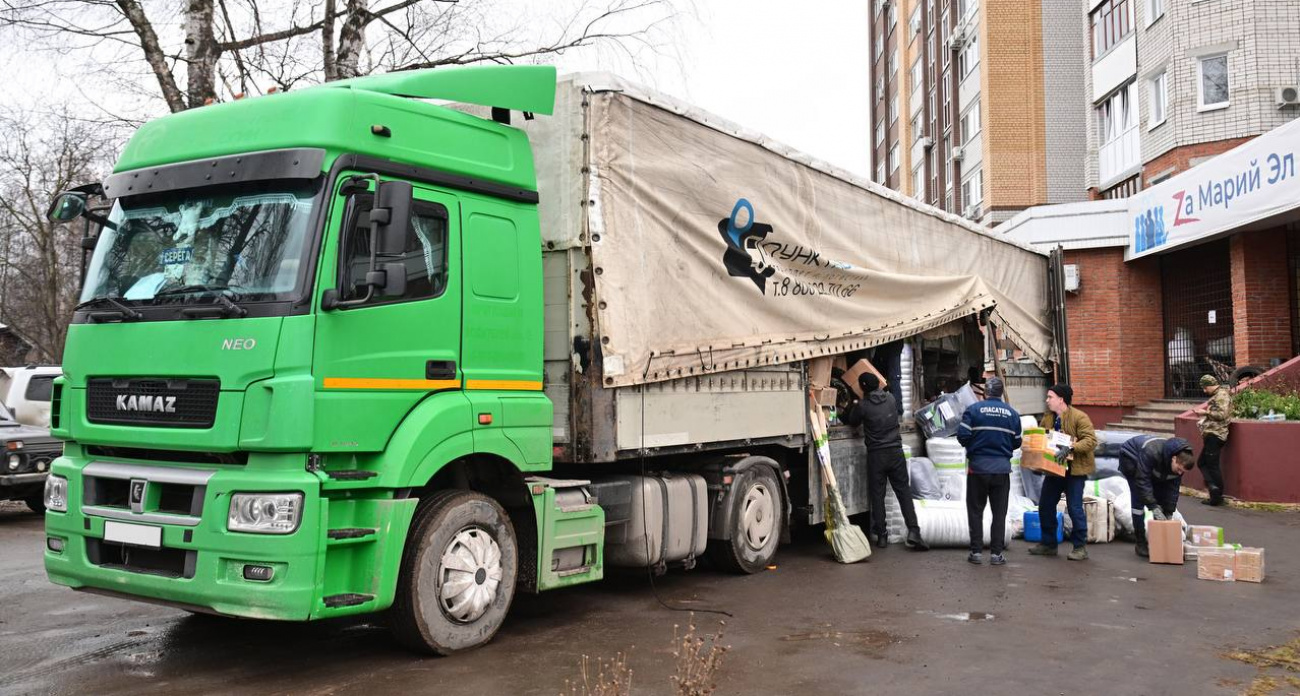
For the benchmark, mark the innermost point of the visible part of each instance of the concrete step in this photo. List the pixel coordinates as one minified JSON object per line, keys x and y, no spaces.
{"x":1141,"y":428}
{"x":1170,"y":406}
{"x":1154,"y":423}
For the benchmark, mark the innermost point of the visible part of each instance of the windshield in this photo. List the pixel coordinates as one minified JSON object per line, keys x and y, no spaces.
{"x":173,"y":248}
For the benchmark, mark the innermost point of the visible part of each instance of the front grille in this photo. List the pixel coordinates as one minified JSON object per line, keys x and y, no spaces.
{"x":168,"y":456}
{"x":171,"y":563}
{"x":164,"y":403}
{"x":163,"y":496}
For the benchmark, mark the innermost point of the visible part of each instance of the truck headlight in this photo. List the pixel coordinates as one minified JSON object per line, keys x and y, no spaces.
{"x":15,"y":461}
{"x":56,"y":493}
{"x":265,"y":513}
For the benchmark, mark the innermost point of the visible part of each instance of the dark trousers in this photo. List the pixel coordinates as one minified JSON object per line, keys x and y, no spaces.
{"x":1072,"y":487}
{"x":1209,"y":464}
{"x":994,"y":489}
{"x":1162,"y":489}
{"x":889,"y":466}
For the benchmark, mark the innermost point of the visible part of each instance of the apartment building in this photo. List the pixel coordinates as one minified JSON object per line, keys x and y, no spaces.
{"x":978,"y":105}
{"x":1173,"y":83}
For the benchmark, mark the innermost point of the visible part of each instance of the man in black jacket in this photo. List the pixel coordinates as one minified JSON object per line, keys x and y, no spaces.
{"x":1154,"y":467}
{"x":877,"y":412}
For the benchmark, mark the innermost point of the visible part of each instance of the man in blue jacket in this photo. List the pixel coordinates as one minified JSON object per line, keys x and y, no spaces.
{"x":1154,"y":467}
{"x":990,"y":432}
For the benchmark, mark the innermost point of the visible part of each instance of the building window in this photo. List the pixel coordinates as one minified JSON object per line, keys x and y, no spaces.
{"x":947,"y":152}
{"x":943,"y":37}
{"x":916,"y":128}
{"x":880,"y":173}
{"x":918,"y":183}
{"x":1213,"y":83}
{"x":969,"y":57}
{"x":970,"y":123}
{"x":1155,"y":10}
{"x":933,"y":114}
{"x":880,"y":46}
{"x":880,"y":132}
{"x":893,"y":63}
{"x":970,"y":192}
{"x":893,"y":158}
{"x":893,"y":15}
{"x":915,"y":22}
{"x":893,"y":109}
{"x":1116,"y":116}
{"x":1159,"y":100}
{"x":880,"y":88}
{"x":1112,"y":22}
{"x":917,"y":74}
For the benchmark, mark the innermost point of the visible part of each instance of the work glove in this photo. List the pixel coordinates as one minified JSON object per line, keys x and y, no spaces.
{"x":1169,"y":512}
{"x":1063,"y":454}
{"x":1159,"y":514}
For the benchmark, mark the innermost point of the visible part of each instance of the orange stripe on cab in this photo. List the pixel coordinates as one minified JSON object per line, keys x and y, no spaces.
{"x":375,"y":383}
{"x":505,"y":384}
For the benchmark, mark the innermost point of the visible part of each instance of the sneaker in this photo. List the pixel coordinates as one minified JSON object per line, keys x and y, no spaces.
{"x":915,"y":542}
{"x":997,"y":559}
{"x":1079,"y":553}
{"x":1042,"y":550}
{"x":975,"y":557}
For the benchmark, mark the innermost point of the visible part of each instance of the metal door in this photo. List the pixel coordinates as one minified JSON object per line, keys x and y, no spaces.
{"x":1197,"y":297}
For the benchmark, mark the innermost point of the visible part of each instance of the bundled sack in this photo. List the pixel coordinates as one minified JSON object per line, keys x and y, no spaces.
{"x":1109,"y":442}
{"x":1107,"y":467}
{"x":943,"y":524}
{"x":925,"y":480}
{"x":1100,"y":515}
{"x":1115,"y":489}
{"x":1017,"y":506}
{"x":946,"y":452}
{"x":940,"y":417}
{"x":1033,"y":485}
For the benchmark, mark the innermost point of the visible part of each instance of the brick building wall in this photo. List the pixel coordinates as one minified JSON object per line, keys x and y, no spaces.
{"x":1116,"y":332}
{"x":1065,"y":111}
{"x":1014,"y":139}
{"x":1261,"y":303}
{"x":1181,"y":159}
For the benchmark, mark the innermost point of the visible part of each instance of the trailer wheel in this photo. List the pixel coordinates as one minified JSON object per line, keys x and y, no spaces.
{"x":757,"y":518}
{"x":458,"y":574}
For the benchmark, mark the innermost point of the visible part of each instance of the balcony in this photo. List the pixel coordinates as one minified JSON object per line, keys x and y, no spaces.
{"x":1119,"y":157}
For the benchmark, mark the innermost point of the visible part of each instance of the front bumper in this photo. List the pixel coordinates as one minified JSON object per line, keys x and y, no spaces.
{"x":14,"y":480}
{"x":197,"y":562}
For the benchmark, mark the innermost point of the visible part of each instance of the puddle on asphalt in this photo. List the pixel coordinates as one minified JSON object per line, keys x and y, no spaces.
{"x":867,"y":641}
{"x":962,"y":615}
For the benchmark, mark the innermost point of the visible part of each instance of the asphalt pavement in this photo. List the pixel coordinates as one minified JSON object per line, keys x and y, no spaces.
{"x":902,"y":623}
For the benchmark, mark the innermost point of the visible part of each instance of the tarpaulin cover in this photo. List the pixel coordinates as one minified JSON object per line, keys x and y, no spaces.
{"x":715,"y":249}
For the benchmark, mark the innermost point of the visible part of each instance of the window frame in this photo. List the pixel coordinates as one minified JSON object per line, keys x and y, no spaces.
{"x":351,"y":218}
{"x":48,"y":388}
{"x":1109,"y":25}
{"x":1155,"y":10}
{"x":1158,"y":92}
{"x":1201,"y":106}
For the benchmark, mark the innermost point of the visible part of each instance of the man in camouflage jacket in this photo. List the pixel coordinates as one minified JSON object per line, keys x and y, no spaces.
{"x":1216,"y":414}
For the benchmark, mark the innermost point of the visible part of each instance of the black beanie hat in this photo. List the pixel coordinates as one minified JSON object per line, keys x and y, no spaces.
{"x":868,"y":382}
{"x":1064,"y":391}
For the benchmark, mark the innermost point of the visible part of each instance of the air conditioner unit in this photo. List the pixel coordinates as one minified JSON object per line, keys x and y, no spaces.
{"x":972,"y":212}
{"x":926,"y":141}
{"x":1288,"y":96}
{"x":959,"y":152}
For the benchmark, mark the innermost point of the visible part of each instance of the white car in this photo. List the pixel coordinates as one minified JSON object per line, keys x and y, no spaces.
{"x":25,"y":391}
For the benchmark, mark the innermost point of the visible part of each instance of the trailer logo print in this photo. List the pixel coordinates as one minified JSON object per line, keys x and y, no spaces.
{"x":744,"y":256}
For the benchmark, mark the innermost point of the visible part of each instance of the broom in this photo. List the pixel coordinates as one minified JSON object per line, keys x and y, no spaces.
{"x":846,"y":539}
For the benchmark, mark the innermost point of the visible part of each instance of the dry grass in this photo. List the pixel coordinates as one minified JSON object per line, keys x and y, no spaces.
{"x":698,"y":657}
{"x":1270,"y":661}
{"x":1244,"y":504}
{"x":604,"y":678}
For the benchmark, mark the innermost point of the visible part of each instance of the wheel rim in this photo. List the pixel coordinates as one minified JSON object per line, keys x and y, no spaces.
{"x":469,"y":575}
{"x":758,"y":516}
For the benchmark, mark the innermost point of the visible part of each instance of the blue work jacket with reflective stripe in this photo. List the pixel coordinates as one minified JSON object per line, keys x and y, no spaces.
{"x":990,"y":432}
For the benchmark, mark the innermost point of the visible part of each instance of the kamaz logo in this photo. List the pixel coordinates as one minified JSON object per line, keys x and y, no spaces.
{"x":150,"y":404}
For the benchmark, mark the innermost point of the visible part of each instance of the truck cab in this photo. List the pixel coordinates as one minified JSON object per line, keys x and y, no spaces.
{"x":304,"y":379}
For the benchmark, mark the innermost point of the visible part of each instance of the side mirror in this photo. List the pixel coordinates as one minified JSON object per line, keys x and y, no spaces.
{"x":67,"y":207}
{"x":392,"y":212}
{"x":389,"y":280}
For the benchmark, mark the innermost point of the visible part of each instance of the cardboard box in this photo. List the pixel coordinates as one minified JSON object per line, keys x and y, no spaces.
{"x":1165,"y":539}
{"x":819,"y":372}
{"x":859,"y":368}
{"x":1248,"y":564}
{"x":1037,"y":460}
{"x":1216,"y":563}
{"x":826,"y":396}
{"x":841,"y":361}
{"x":1204,"y":535}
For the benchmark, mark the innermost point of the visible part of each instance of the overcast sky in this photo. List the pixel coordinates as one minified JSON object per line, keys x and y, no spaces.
{"x":797,"y":72}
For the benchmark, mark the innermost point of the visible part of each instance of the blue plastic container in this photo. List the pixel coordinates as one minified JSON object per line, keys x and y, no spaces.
{"x":1034,"y":531}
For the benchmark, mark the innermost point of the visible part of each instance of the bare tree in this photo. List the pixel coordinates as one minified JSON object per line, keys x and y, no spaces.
{"x":223,"y":48}
{"x":40,"y":267}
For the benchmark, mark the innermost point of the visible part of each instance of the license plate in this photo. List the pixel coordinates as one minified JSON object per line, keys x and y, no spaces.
{"x":133,"y":534}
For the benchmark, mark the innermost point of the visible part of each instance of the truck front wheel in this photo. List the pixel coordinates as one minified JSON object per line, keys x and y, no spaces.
{"x":757,"y":517}
{"x":458,"y":574}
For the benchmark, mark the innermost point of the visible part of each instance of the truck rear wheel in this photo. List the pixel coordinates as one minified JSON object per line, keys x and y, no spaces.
{"x":757,"y":517}
{"x":458,"y":574}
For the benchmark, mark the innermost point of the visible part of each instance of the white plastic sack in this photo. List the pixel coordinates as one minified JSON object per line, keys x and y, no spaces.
{"x":952,"y":484}
{"x":1107,"y":467}
{"x":925,"y":481}
{"x":1115,"y":489}
{"x":1017,"y":506}
{"x":943,"y":524}
{"x":1017,"y":483}
{"x":945,"y":452}
{"x":1100,"y":512}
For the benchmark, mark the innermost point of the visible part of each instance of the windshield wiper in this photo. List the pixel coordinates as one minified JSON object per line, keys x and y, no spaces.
{"x":223,"y":305}
{"x":120,"y":311}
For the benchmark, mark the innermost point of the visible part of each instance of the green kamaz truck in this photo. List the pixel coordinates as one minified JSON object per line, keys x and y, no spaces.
{"x":349,"y":350}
